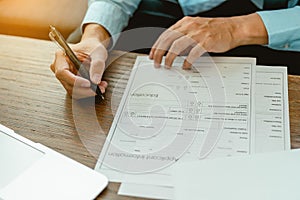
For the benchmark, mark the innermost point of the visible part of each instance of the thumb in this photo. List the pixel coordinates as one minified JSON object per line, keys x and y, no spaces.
{"x":60,"y":62}
{"x":98,"y":58}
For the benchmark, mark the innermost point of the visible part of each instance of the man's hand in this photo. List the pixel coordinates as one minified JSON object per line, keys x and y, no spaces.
{"x":93,"y":54}
{"x":197,"y":35}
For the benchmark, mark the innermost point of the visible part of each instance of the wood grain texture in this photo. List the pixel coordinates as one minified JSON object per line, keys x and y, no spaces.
{"x":35,"y":105}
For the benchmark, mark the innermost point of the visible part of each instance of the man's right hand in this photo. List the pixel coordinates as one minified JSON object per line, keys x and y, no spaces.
{"x":91,"y":51}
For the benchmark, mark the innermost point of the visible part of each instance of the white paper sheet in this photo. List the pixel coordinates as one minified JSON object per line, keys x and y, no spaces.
{"x":172,"y":116}
{"x":146,"y":191}
{"x":264,"y":176}
{"x":272,"y":109}
{"x":271,"y":88}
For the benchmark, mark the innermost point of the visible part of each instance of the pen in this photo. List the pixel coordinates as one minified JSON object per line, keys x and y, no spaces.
{"x":61,"y":42}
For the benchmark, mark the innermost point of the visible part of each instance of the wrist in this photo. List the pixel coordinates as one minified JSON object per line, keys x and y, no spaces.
{"x":249,"y":30}
{"x":96,"y":32}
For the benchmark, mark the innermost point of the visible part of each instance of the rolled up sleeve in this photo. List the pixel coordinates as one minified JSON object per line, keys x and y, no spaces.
{"x":113,"y":15}
{"x":283,"y":27}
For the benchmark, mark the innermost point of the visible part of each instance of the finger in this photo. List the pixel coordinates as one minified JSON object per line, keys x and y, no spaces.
{"x":151,"y":55}
{"x":62,"y":73}
{"x":62,"y":64}
{"x":80,"y":92}
{"x":154,"y":46}
{"x":77,"y":92}
{"x":82,"y":82}
{"x":177,"y":48}
{"x":52,"y":68}
{"x":61,"y":67}
{"x":186,"y":51}
{"x":67,"y":87}
{"x":76,"y":86}
{"x":152,"y":49}
{"x":81,"y":88}
{"x":59,"y":61}
{"x":69,"y":80}
{"x":65,"y":75}
{"x":163,"y":44}
{"x":98,"y":58}
{"x":83,"y":57}
{"x":103,"y":86}
{"x":175,"y":26}
{"x":194,"y":54}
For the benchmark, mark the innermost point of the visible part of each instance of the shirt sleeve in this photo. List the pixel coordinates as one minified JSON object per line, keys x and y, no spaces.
{"x":113,"y":15}
{"x":283,"y":27}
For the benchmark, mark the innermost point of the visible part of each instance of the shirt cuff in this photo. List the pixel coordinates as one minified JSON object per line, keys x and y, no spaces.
{"x":283,"y":28}
{"x":108,"y":15}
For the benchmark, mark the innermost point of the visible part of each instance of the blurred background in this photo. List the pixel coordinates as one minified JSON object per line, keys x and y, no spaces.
{"x":31,"y":18}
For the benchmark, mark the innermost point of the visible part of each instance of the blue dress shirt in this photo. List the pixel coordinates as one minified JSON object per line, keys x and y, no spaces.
{"x":283,"y":26}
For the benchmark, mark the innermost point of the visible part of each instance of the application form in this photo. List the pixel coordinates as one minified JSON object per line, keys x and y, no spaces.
{"x":272,"y":128}
{"x":271,"y":100}
{"x":171,"y":116}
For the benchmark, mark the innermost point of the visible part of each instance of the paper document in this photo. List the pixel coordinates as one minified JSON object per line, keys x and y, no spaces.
{"x":168,"y":117}
{"x":266,"y":176}
{"x":146,"y":191}
{"x":272,"y":127}
{"x":172,"y":116}
{"x":271,"y":99}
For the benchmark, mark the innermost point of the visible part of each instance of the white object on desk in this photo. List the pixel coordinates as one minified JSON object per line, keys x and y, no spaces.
{"x":179,"y":115}
{"x":271,"y":125}
{"x":32,"y":171}
{"x":265,"y":176}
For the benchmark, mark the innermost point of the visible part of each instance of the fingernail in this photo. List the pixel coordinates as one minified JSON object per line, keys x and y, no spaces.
{"x":97,"y":78}
{"x":85,"y":84}
{"x":157,"y":65}
{"x":186,"y":65}
{"x":102,"y":89}
{"x":167,"y":66}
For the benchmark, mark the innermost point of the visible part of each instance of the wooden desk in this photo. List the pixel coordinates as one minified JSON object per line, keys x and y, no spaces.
{"x":35,"y":105}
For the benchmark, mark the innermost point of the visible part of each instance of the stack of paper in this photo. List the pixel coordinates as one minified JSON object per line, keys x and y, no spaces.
{"x":223,"y":107}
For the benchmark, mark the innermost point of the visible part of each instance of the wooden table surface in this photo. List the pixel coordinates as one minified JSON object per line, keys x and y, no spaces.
{"x":35,"y":105}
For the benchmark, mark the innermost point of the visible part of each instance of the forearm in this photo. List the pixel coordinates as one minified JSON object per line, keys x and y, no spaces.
{"x":112,"y":15}
{"x":96,"y":32}
{"x":249,"y":30}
